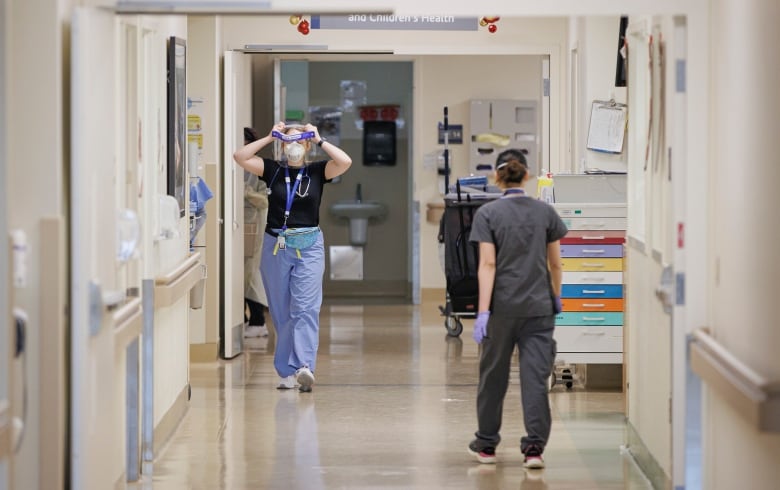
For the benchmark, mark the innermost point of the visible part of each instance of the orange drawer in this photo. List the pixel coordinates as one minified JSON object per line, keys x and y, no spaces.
{"x":585,"y":304}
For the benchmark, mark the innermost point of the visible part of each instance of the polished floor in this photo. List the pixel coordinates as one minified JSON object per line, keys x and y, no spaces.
{"x":393,"y":407}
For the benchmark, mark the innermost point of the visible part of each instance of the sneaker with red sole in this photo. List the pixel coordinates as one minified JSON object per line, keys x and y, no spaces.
{"x":485,"y":455}
{"x":533,"y":458}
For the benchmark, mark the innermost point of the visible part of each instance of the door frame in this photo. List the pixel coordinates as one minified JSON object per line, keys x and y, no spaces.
{"x":5,"y":276}
{"x":232,"y":212}
{"x":301,"y":53}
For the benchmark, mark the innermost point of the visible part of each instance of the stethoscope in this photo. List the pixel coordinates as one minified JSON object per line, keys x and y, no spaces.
{"x":307,"y":180}
{"x":299,"y":191}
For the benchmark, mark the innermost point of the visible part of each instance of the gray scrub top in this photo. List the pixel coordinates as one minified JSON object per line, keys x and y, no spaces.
{"x":520,"y":228}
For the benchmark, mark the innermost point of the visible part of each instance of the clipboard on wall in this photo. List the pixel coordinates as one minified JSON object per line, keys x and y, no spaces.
{"x":607,"y":126}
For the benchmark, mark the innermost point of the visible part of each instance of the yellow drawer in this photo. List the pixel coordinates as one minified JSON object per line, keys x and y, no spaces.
{"x":592,"y":264}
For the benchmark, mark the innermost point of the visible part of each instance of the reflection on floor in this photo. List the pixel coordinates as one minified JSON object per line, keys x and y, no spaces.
{"x":393,"y":407}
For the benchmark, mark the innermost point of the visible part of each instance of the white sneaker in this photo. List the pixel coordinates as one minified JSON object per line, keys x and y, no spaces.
{"x":255,"y":331}
{"x":287,"y":383}
{"x":305,"y":378}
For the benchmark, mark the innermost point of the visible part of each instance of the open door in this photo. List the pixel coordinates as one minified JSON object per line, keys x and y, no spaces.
{"x":97,"y":453}
{"x":657,"y":374}
{"x":5,"y":280}
{"x":237,"y":83}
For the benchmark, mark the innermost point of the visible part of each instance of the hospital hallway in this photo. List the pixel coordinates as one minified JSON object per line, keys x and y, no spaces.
{"x":393,"y":407}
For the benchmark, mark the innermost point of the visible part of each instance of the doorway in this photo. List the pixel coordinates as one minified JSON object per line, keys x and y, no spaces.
{"x":330,"y":93}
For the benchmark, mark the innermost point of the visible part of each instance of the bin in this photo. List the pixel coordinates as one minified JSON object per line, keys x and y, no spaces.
{"x":198,"y":291}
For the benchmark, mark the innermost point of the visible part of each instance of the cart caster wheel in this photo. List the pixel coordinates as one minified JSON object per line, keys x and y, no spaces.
{"x":569,"y":384}
{"x":454,"y":326}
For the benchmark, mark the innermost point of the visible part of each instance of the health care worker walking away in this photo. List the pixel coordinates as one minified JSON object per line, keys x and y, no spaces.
{"x":519,"y":295}
{"x":293,"y":260}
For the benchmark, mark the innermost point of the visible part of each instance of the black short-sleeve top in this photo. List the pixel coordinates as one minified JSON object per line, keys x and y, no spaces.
{"x":520,"y":228}
{"x":305,"y":210}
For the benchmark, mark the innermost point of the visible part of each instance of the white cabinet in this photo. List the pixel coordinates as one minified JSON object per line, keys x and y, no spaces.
{"x":589,"y":330}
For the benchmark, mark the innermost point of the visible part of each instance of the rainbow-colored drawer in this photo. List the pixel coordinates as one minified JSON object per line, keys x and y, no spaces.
{"x":595,"y":250}
{"x":591,"y":264}
{"x":592,"y":291}
{"x":589,"y":318}
{"x":600,"y":304}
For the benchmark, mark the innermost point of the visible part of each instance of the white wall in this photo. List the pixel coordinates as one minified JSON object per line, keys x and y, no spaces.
{"x":5,"y":279}
{"x":35,"y":178}
{"x":596,"y":44}
{"x":171,"y":330}
{"x":203,"y":79}
{"x":204,"y":71}
{"x":495,"y":70}
{"x":440,"y":81}
{"x":744,"y":235}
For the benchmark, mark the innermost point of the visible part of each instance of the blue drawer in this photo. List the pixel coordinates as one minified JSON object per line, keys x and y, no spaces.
{"x":595,"y":250}
{"x":592,"y":291}
{"x":588,"y":318}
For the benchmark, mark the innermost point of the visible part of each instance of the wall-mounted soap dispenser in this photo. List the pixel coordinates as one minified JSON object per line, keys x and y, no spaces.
{"x":379,"y":143}
{"x":169,"y":218}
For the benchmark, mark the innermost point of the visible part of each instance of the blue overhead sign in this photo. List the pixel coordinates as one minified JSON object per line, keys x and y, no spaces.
{"x":395,"y":22}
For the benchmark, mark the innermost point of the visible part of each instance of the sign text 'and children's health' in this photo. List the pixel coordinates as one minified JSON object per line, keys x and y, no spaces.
{"x":400,"y":22}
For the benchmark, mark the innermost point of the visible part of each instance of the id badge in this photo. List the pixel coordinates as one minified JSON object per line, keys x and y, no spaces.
{"x":280,"y":242}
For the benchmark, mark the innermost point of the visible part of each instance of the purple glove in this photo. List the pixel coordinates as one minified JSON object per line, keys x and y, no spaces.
{"x":480,"y":326}
{"x":557,"y":305}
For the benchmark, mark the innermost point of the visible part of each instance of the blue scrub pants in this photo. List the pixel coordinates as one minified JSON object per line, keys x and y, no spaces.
{"x":293,"y":285}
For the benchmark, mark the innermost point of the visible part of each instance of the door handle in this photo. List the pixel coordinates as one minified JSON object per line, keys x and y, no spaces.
{"x":5,"y":430}
{"x":665,"y":289}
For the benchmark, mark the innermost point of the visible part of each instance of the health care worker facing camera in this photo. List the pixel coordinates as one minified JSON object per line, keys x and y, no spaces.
{"x":293,"y":260}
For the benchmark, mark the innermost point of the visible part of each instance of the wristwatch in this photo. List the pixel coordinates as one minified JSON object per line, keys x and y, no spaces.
{"x":321,"y":141}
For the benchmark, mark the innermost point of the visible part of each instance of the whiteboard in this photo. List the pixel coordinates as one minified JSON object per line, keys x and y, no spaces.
{"x":607,"y":126}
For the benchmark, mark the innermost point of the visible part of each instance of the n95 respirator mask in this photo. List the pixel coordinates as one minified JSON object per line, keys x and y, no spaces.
{"x":294,"y":152}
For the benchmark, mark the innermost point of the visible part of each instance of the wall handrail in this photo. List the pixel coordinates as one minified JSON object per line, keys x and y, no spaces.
{"x":127,"y":322}
{"x":168,"y":289}
{"x":179,"y":271}
{"x":753,"y":395}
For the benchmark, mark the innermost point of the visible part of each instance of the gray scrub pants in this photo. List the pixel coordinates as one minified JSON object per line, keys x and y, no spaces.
{"x":534,"y":340}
